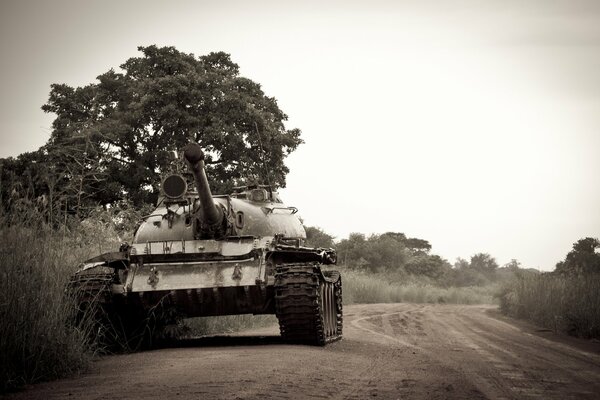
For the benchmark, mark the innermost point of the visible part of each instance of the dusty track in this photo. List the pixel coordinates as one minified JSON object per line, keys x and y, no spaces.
{"x":389,"y":351}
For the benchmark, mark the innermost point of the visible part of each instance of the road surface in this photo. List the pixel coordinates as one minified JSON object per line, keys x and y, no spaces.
{"x":389,"y":351}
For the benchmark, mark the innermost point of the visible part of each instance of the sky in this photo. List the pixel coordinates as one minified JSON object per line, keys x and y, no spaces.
{"x":472,"y":124}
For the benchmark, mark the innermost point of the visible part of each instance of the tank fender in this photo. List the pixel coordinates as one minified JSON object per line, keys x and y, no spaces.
{"x":115,"y":259}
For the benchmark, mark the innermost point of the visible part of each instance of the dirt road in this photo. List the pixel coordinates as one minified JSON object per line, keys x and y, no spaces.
{"x":389,"y":351}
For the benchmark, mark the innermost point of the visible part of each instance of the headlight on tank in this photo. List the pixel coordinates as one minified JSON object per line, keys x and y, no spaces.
{"x":259,"y":195}
{"x":174,"y":186}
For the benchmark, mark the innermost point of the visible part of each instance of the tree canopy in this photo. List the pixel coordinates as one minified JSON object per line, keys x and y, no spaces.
{"x":113,"y":137}
{"x":317,"y":237}
{"x":582,"y":259}
{"x":390,"y":250}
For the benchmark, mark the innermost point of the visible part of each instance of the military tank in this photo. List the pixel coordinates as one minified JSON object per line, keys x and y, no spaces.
{"x":200,"y":254}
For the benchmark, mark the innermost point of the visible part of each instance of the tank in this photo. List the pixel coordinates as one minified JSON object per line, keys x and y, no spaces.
{"x":200,"y":254}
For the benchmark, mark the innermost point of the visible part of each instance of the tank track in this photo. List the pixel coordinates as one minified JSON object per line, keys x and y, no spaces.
{"x":92,"y":295}
{"x":92,"y":289}
{"x":116,"y":328}
{"x":308,"y":303}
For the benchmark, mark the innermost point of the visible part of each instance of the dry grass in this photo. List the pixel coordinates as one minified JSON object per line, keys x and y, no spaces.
{"x":360,"y":287}
{"x":561,"y":303}
{"x":36,"y":340}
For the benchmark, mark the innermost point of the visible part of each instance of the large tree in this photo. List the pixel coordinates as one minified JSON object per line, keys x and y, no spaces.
{"x":123,"y":125}
{"x":583,"y":259}
{"x":317,"y":237}
{"x":483,"y":262}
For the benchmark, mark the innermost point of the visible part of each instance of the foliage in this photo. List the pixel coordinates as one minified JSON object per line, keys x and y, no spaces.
{"x":432,"y":266}
{"x":563,"y":303}
{"x":393,"y":267}
{"x":483,"y":262}
{"x":316,"y":237}
{"x":389,"y":250}
{"x":481,"y":270}
{"x":396,"y":253}
{"x":388,"y":287}
{"x":37,"y":338}
{"x":37,"y":341}
{"x":582,"y":260}
{"x":565,"y":300}
{"x":110,"y":138}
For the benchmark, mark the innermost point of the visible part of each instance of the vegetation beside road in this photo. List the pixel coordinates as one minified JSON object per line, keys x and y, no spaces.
{"x":392,"y":267}
{"x":37,"y":341}
{"x":565,"y":300}
{"x":364,"y":287}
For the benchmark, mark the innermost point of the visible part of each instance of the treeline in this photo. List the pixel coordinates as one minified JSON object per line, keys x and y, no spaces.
{"x":564,"y":300}
{"x":393,"y":267}
{"x":401,"y":257}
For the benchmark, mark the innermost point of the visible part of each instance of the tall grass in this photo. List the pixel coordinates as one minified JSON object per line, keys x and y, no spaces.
{"x":36,"y":341}
{"x":360,"y":287}
{"x":568,"y":304}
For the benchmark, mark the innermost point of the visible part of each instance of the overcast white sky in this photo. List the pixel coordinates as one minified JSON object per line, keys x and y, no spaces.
{"x":472,"y":124}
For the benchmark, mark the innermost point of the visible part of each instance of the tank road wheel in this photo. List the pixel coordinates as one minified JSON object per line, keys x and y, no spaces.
{"x":308,"y":303}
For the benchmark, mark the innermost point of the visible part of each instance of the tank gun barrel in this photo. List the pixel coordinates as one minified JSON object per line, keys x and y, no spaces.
{"x":195,"y":159}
